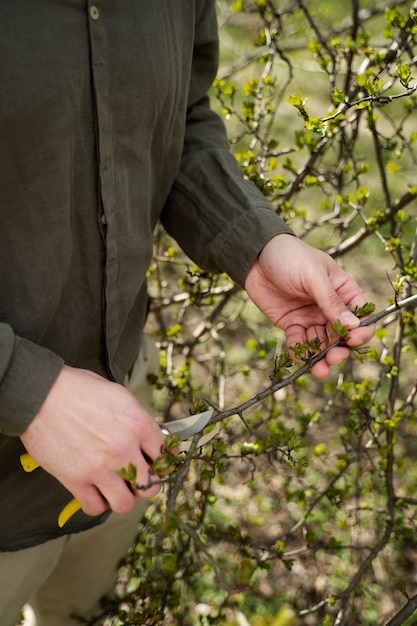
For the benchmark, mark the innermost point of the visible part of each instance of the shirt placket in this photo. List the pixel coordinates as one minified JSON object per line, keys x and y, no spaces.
{"x":101,"y":82}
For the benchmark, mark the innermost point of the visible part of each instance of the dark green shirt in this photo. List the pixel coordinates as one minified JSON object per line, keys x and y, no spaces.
{"x":105,"y":128}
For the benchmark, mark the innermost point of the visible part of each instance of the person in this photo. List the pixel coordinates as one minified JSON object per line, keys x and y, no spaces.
{"x":106,"y":129}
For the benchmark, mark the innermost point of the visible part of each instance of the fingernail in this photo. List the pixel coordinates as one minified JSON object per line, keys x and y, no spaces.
{"x":349,"y":319}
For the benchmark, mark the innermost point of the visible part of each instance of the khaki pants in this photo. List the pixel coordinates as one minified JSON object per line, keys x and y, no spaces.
{"x":70,"y":574}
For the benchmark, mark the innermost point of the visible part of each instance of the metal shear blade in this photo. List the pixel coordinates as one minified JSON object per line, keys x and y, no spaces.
{"x":187,"y":426}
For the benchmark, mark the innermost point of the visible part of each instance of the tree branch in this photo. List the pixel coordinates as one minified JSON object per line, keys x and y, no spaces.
{"x":405,"y":612}
{"x":289,"y":380}
{"x":365,"y":231}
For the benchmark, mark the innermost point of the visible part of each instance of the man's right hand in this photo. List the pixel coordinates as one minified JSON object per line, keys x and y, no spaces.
{"x":87,"y":430}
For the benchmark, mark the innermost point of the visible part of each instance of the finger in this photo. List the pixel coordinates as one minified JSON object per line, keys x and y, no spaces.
{"x":361,"y":335}
{"x":295,"y":334}
{"x":335,"y":309}
{"x":121,"y":494}
{"x":116,"y":491}
{"x":335,"y":292}
{"x":320,"y":369}
{"x":152,"y":439}
{"x":333,"y":357}
{"x":152,"y":449}
{"x":148,"y":484}
{"x":91,"y":499}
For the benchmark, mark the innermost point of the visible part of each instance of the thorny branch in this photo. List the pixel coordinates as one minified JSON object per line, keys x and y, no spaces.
{"x":218,"y":416}
{"x":365,"y":231}
{"x":405,"y":613}
{"x":178,"y":480}
{"x":306,"y":367}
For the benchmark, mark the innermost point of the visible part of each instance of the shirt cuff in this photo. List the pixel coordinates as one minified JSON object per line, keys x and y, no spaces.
{"x":29,"y":377}
{"x":237,"y":248}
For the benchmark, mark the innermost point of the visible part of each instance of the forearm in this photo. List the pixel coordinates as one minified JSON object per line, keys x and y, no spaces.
{"x":219,"y":218}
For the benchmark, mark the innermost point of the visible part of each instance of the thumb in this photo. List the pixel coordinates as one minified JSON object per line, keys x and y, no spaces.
{"x":330,"y":302}
{"x":334,"y":304}
{"x":347,"y":318}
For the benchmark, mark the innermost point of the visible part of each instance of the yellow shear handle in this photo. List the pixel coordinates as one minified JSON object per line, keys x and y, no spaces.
{"x":29,"y":464}
{"x":68,"y":511}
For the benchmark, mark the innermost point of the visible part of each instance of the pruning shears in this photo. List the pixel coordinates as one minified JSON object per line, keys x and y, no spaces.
{"x":183,"y":428}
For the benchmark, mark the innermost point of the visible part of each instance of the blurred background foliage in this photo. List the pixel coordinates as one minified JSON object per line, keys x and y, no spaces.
{"x":302,"y":509}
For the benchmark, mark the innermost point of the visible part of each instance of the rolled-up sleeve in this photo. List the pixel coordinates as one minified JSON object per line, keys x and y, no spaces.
{"x":220,"y":219}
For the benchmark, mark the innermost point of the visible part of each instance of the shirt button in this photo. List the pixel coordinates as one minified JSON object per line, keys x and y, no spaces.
{"x":103,"y":219}
{"x":94,"y":13}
